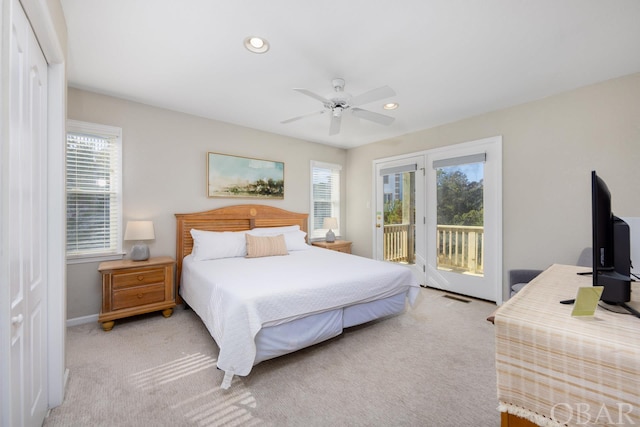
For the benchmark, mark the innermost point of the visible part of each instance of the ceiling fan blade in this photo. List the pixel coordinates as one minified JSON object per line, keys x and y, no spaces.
{"x":372,"y":95}
{"x":334,"y":127}
{"x":293,"y":119}
{"x":313,"y":95}
{"x":374,"y":117}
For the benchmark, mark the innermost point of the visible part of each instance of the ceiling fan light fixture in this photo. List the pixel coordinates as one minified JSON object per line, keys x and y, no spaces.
{"x":339,"y":101}
{"x":391,"y":106}
{"x":256,"y":44}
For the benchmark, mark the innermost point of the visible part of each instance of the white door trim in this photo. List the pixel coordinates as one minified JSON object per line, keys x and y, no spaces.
{"x":56,"y":208}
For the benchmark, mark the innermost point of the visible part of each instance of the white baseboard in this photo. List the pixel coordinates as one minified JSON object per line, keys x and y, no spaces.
{"x":82,"y":320}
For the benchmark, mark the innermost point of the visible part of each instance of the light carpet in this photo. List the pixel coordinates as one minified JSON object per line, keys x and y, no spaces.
{"x":431,"y":366}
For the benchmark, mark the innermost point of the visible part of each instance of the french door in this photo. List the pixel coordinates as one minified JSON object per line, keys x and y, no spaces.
{"x":464,"y":218}
{"x":400,"y":212}
{"x":440,"y":212}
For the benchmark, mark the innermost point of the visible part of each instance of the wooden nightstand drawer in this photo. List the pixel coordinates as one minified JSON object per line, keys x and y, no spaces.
{"x":139,"y":295}
{"x":136,"y":287}
{"x":138,"y":278}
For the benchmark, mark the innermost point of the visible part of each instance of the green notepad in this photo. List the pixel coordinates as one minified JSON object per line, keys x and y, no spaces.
{"x":587,"y":301}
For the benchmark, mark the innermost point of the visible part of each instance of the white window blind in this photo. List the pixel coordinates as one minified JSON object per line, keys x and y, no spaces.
{"x":325,"y":197}
{"x":462,"y":160}
{"x":93,"y":186}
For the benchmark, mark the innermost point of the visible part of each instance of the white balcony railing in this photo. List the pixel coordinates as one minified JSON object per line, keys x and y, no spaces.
{"x":460,"y":247}
{"x":399,"y":243}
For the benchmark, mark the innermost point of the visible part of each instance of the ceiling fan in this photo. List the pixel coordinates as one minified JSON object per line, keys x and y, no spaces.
{"x":341,"y":101}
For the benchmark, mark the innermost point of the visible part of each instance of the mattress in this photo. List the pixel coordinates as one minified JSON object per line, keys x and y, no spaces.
{"x":237,"y":297}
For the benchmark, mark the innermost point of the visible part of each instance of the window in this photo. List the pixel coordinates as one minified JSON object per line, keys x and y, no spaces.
{"x":94,"y":187}
{"x":325,"y":197}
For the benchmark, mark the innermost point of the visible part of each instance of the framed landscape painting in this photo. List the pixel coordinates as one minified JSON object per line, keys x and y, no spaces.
{"x":244,"y":177}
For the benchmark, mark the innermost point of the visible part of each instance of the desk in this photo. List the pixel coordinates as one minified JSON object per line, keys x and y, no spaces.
{"x":555,"y":369}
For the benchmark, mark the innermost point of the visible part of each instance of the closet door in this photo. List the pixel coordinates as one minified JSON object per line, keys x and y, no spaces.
{"x":25,"y":227}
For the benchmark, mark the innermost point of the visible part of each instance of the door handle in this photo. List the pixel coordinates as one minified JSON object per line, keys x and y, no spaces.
{"x":16,"y":320}
{"x":377,"y":225}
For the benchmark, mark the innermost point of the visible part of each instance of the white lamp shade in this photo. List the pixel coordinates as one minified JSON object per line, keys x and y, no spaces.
{"x":330,"y":223}
{"x":139,"y":230}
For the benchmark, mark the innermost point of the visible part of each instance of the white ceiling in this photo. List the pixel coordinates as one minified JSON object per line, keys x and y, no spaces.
{"x":445,"y":59}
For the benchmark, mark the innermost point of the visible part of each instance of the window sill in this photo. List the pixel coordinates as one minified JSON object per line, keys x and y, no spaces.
{"x":94,"y":258}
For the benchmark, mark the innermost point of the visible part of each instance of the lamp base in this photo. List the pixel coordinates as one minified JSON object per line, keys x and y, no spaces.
{"x":330,"y":237}
{"x":139,"y":252}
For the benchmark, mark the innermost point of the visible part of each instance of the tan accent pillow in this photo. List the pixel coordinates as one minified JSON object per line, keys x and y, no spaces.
{"x":260,"y":246}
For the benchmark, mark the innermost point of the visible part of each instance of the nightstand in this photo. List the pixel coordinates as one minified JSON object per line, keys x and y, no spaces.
{"x":338,"y":245}
{"x":136,"y":287}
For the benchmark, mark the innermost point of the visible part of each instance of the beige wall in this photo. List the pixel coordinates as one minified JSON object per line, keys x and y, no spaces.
{"x":549,"y":149}
{"x":164,"y":163}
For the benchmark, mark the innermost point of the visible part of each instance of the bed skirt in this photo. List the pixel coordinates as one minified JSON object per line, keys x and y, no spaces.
{"x":288,"y":337}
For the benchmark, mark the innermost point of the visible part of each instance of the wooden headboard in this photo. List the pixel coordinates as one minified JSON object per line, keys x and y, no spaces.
{"x":230,"y":218}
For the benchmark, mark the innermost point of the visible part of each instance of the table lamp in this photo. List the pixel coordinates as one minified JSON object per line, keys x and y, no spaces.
{"x":139,"y":231}
{"x":330,"y":223}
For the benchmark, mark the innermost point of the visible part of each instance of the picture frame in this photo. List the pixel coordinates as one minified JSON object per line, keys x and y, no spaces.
{"x":244,"y":177}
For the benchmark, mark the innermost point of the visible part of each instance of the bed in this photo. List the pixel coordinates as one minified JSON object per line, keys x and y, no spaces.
{"x":262,"y":291}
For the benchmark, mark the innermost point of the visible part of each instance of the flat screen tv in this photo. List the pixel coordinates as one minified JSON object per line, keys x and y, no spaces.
{"x":611,"y":248}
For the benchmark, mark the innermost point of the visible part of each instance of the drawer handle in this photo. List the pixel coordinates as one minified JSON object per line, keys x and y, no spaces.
{"x":140,"y":277}
{"x":140,"y":296}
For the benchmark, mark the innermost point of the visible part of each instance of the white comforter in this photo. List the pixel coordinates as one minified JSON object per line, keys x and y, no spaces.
{"x":236,"y":297}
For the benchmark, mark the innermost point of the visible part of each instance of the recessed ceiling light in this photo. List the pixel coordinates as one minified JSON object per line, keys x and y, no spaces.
{"x":390,"y":106}
{"x":256,"y":44}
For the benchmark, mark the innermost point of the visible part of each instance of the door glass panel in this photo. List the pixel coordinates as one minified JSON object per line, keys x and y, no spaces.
{"x":460,"y":218}
{"x":399,"y":236}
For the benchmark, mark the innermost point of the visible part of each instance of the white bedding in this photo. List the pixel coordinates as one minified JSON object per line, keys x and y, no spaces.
{"x":236,"y":297}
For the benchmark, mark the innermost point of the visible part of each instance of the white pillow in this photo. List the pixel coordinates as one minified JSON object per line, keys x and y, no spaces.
{"x":293,"y":236}
{"x":273,"y":231}
{"x":218,"y":244}
{"x":295,"y":240}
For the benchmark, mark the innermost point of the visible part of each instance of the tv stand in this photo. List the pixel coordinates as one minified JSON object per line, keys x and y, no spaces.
{"x":629,"y":309}
{"x":551,"y":365}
